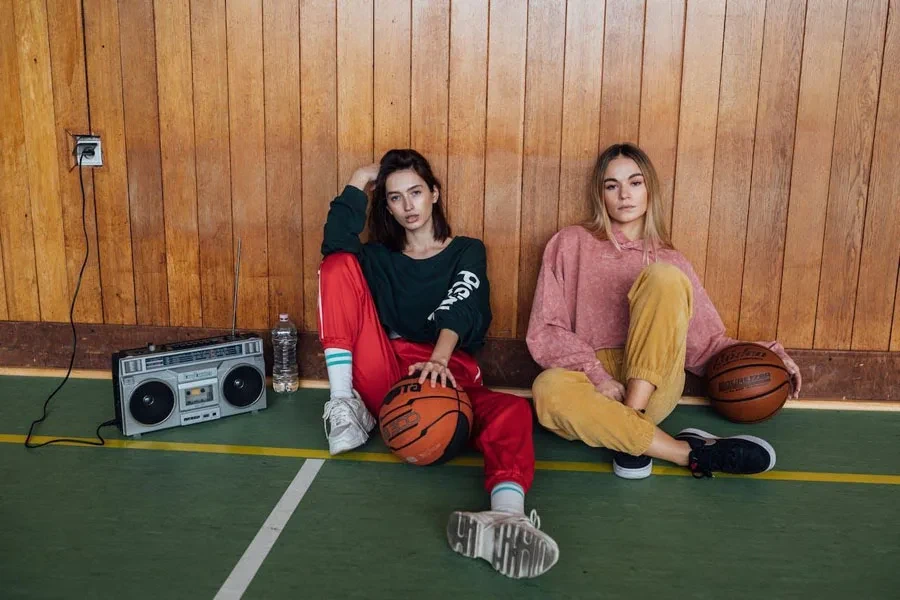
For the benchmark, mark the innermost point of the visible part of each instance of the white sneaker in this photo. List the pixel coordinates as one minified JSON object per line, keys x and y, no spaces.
{"x":347,"y":423}
{"x":513,"y":544}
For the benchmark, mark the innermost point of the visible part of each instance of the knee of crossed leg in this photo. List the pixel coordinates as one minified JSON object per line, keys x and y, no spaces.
{"x":666,"y":275}
{"x":546,"y":393}
{"x":336,"y":263}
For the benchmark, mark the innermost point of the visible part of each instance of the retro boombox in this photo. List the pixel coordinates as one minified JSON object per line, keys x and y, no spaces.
{"x":184,"y":383}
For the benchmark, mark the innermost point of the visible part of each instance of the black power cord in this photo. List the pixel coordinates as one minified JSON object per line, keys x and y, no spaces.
{"x":88,"y":152}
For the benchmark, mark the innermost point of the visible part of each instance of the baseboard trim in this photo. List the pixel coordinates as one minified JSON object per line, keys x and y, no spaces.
{"x":322,"y":384}
{"x":829,"y":376}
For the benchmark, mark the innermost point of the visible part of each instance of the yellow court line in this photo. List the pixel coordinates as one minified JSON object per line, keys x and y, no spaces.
{"x":468,"y":461}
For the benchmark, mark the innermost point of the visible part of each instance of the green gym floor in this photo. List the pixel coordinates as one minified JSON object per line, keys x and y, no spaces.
{"x":170,"y":515}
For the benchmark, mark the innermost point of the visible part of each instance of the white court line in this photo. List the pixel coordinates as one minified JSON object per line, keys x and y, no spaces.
{"x":245,"y":570}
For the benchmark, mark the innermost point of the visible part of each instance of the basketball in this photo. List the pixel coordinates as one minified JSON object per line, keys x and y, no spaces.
{"x":747,"y":383}
{"x":425,"y":425}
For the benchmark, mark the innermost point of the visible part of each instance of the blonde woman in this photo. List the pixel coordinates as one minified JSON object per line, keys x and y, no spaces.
{"x":618,"y":316}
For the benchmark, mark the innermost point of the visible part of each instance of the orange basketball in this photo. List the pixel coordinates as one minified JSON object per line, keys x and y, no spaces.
{"x":425,"y":425}
{"x":747,"y":383}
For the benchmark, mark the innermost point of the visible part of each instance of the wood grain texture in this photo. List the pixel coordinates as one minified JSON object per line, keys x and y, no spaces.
{"x":503,"y":168}
{"x":880,"y":255}
{"x":816,"y":109}
{"x":735,"y":131}
{"x":703,"y":39}
{"x":428,"y":86}
{"x":70,"y":102}
{"x":543,"y":130}
{"x":105,"y":77}
{"x":468,"y":110}
{"x":392,"y":74}
{"x":213,"y":160}
{"x":281,"y":32}
{"x":620,"y":108}
{"x":178,"y":153}
{"x":355,"y":65}
{"x":772,"y":158}
{"x":39,"y":123}
{"x":318,"y":106}
{"x":16,"y":237}
{"x":581,"y":108}
{"x":661,"y":92}
{"x":850,"y":169}
{"x":140,"y":92}
{"x":246,"y":115}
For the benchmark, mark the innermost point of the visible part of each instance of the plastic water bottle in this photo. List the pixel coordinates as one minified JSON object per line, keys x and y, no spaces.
{"x":284,"y":344}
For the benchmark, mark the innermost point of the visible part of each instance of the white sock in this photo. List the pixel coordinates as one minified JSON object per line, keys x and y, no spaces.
{"x":339,"y":363}
{"x":508,"y":496}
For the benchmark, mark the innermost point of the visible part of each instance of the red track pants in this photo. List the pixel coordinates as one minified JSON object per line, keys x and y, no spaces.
{"x":348,"y":320}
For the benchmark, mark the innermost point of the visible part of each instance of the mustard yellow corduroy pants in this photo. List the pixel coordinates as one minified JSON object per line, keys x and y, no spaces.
{"x":566,"y":402}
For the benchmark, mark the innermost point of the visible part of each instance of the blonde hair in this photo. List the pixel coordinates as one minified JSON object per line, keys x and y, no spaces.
{"x":655,"y":234}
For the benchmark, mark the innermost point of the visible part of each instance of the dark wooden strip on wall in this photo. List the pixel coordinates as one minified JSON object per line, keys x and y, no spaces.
{"x":851,"y":375}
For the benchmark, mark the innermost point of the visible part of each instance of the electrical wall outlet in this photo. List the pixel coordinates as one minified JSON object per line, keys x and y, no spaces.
{"x":88,"y":143}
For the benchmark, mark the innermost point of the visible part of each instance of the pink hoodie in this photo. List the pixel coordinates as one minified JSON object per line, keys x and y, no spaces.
{"x":581,"y":304}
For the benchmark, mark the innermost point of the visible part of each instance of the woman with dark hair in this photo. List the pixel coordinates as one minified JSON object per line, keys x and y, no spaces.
{"x":416,"y":299}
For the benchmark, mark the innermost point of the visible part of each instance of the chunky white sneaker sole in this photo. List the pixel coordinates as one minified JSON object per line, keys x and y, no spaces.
{"x":641,"y":473}
{"x":699,"y":433}
{"x":514,"y":548}
{"x":349,"y":440}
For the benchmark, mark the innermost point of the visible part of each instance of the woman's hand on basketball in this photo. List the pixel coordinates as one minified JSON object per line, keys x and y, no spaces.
{"x":364,"y":176}
{"x":612,"y":389}
{"x":794,"y":372}
{"x":434,"y":369}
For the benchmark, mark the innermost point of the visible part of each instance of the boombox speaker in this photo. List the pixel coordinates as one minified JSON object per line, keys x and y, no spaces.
{"x":188,"y":382}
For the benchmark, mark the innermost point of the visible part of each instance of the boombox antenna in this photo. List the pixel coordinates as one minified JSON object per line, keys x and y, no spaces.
{"x":237,"y":274}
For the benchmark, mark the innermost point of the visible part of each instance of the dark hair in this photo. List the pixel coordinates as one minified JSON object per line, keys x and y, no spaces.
{"x":383,"y":227}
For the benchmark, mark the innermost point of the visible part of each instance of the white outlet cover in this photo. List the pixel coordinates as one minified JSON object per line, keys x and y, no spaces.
{"x":82,"y":141}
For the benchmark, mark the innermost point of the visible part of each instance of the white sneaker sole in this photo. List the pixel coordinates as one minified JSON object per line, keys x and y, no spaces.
{"x":750,"y":438}
{"x":513,"y":550}
{"x":642,"y":473}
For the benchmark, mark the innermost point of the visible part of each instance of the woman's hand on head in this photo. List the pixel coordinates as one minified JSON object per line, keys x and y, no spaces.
{"x":794,"y":371}
{"x":364,"y":176}
{"x":612,"y":389}
{"x":434,"y":369}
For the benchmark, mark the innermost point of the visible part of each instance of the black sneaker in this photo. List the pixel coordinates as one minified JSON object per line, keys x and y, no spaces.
{"x":627,"y":466}
{"x":739,"y":454}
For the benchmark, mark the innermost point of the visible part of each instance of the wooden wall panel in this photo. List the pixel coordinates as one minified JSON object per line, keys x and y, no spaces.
{"x":772,"y":157}
{"x":733,"y":165}
{"x":850,"y":164}
{"x":70,"y":103}
{"x":430,"y":53}
{"x":318,"y":110}
{"x":284,"y":197}
{"x":241,"y":120}
{"x":880,"y":254}
{"x":468,"y":110}
{"x":140,"y":93}
{"x":816,"y":108}
{"x":620,"y":108}
{"x":248,"y":158}
{"x":582,"y":79}
{"x":661,"y":92}
{"x":16,"y":238}
{"x":39,"y":123}
{"x":703,"y":39}
{"x":392,"y":74}
{"x":503,"y":169}
{"x":543,"y":128}
{"x":105,"y":80}
{"x":355,"y":64}
{"x":213,"y":160}
{"x":178,"y":152}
